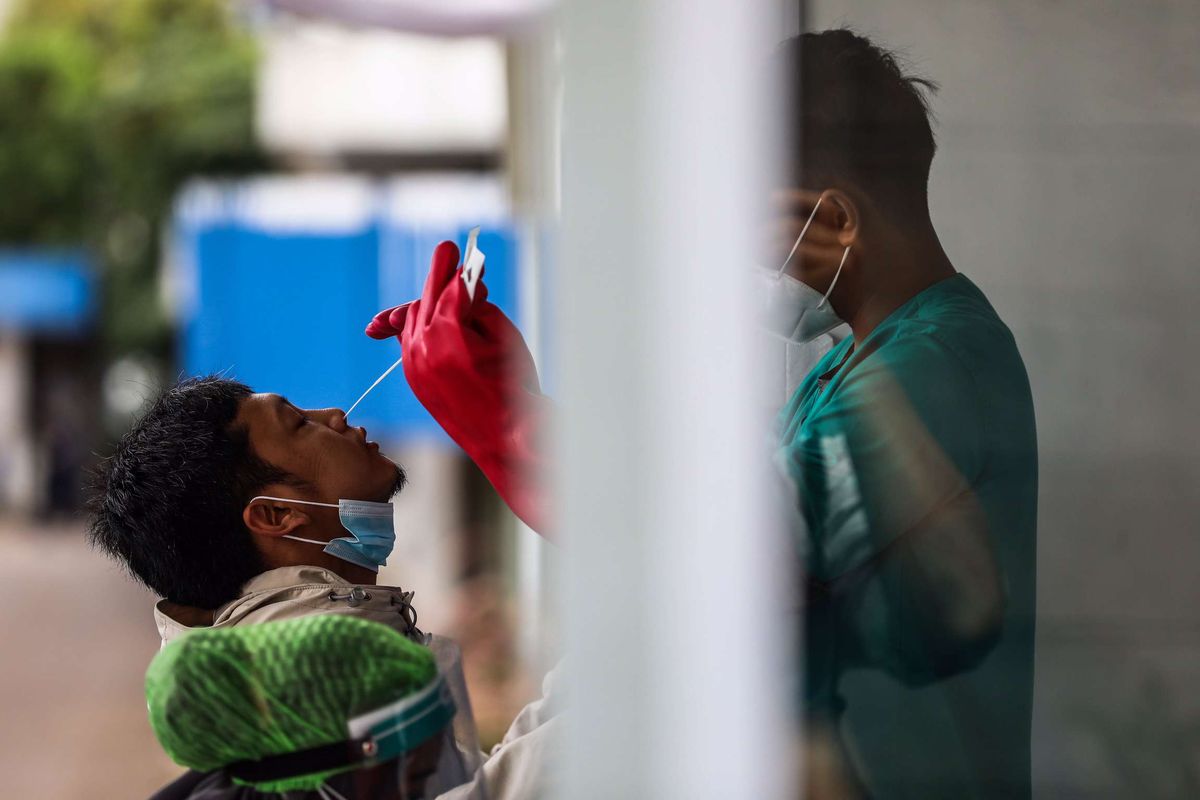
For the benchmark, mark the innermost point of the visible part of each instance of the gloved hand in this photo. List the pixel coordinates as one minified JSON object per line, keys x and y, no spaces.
{"x":469,"y":366}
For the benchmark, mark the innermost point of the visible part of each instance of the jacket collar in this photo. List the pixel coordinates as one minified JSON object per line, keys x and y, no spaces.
{"x":283,"y":577}
{"x":287,"y":592}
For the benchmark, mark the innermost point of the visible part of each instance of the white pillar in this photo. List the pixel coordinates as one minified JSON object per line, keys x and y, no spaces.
{"x":534,"y":91}
{"x":674,"y":625}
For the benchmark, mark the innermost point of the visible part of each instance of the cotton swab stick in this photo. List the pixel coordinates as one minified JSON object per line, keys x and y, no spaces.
{"x":378,"y":381}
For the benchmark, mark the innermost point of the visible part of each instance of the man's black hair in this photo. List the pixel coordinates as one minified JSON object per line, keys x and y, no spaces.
{"x":856,"y":117}
{"x":169,"y":502}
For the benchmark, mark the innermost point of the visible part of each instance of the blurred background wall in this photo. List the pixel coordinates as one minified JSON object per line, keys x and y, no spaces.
{"x":1065,"y":186}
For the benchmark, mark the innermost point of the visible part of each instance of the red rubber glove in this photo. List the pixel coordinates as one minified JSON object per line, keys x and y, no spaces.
{"x":468,"y":365}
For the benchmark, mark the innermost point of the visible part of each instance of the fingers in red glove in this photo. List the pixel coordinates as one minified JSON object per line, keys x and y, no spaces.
{"x":400,"y":314}
{"x":441,"y":271}
{"x":455,"y":302}
{"x":389,"y":322}
{"x":412,"y":322}
{"x":481,"y":290}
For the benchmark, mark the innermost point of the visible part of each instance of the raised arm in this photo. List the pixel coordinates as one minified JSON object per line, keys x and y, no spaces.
{"x":469,"y":366}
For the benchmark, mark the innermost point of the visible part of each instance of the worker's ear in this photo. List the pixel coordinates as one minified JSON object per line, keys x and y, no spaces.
{"x":272,"y":518}
{"x":846,"y":222}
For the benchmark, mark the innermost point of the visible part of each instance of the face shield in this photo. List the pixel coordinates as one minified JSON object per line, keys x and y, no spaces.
{"x":416,"y":748}
{"x":324,"y":707}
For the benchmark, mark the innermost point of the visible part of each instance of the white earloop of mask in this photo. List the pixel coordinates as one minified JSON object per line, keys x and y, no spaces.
{"x":836,"y":275}
{"x":796,"y":246}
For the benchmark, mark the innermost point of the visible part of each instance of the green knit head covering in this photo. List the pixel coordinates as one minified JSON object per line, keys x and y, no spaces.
{"x":222,"y":695}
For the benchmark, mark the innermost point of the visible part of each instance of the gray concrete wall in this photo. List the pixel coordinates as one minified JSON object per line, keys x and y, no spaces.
{"x":1066,"y":186}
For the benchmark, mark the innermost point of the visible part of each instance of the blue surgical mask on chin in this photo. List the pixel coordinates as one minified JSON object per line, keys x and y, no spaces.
{"x":371,"y":525}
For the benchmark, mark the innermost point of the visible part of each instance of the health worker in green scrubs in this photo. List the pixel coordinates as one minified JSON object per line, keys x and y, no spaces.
{"x":911,"y":446}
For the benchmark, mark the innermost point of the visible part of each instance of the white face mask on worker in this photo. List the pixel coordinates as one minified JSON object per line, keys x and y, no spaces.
{"x":791,"y":309}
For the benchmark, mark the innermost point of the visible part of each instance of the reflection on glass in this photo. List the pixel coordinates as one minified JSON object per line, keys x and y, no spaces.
{"x":911,"y":443}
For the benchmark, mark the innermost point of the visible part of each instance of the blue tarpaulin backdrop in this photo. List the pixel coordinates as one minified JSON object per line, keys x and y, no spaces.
{"x":284,"y":310}
{"x":46,"y":291}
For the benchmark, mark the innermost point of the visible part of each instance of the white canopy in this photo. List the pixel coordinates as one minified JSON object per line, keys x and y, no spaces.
{"x":429,"y":17}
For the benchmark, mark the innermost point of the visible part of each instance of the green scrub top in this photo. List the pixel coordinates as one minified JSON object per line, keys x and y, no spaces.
{"x":928,"y":421}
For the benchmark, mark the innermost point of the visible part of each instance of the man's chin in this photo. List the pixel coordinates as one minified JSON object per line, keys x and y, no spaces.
{"x":388,"y":480}
{"x":399,"y":481}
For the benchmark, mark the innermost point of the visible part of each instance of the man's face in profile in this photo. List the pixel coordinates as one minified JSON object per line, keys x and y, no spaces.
{"x":317,"y":446}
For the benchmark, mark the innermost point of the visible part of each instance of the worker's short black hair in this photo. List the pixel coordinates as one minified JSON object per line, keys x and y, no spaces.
{"x":856,"y":117}
{"x":169,"y":502}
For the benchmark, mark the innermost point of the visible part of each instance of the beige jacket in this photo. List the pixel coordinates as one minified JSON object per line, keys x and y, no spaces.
{"x":524,"y":766}
{"x":290,"y":592}
{"x":516,"y":769}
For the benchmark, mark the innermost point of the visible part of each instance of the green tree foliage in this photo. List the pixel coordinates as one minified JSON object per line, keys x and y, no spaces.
{"x":106,"y":108}
{"x":47,"y":90}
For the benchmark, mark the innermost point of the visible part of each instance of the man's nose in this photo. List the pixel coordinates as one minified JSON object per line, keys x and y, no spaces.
{"x":333,"y":417}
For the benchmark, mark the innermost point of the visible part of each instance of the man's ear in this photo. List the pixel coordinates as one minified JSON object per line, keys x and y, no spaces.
{"x":848,"y":217}
{"x":272,"y":518}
